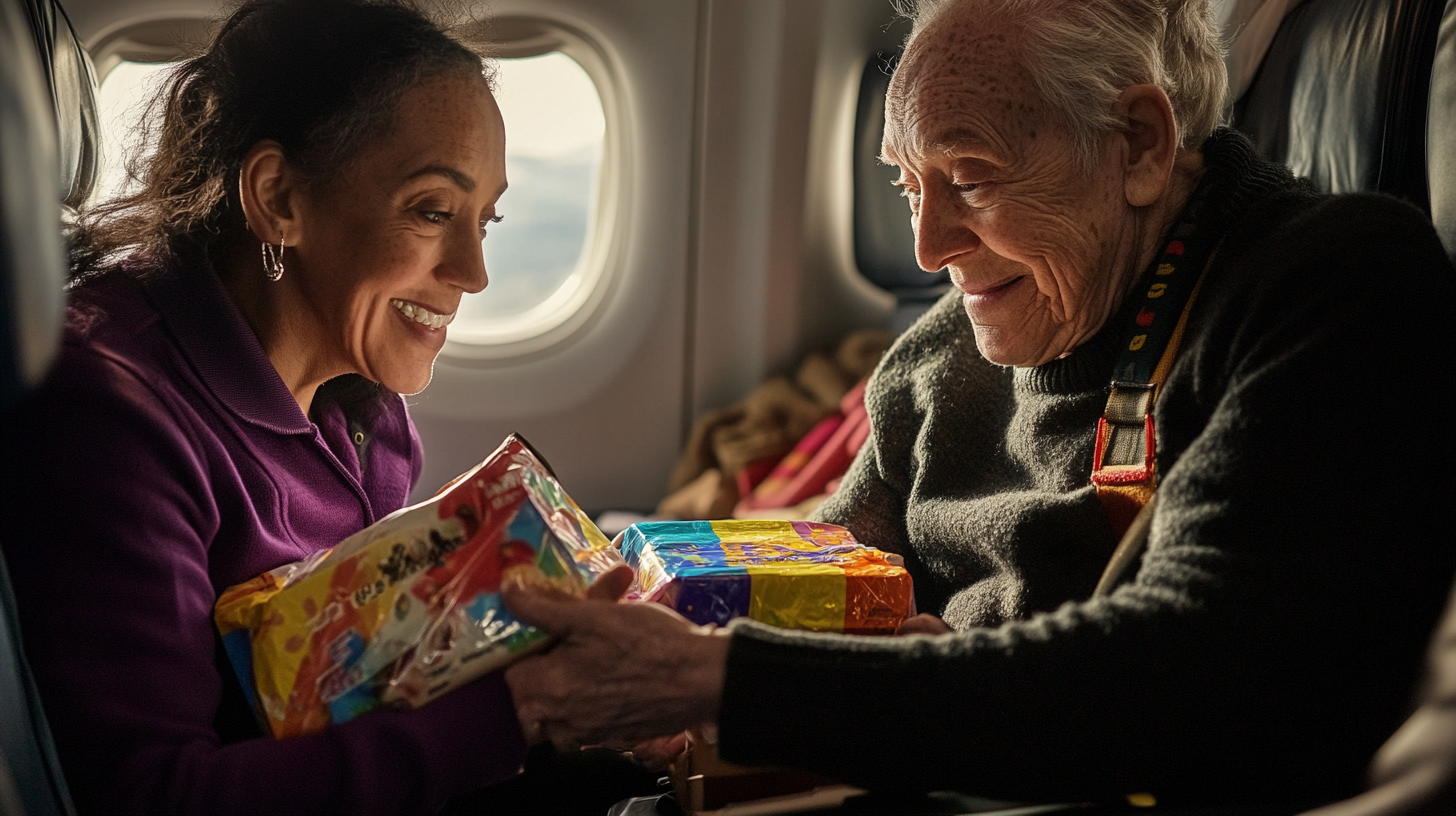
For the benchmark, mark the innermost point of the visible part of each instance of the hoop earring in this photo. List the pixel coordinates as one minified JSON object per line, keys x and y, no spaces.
{"x":273,"y":260}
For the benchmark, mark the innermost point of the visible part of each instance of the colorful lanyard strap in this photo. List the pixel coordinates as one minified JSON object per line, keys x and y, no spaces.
{"x":1124,"y":464}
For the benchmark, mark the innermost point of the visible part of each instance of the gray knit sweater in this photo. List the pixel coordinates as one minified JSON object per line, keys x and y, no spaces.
{"x":1299,"y":556}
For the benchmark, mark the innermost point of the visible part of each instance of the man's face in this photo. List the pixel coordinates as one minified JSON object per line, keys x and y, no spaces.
{"x":1042,"y":250}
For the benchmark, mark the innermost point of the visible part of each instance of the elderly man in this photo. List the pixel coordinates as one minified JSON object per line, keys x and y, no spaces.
{"x":1062,"y":158}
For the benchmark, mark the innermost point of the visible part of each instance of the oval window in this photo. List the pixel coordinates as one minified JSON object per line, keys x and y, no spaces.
{"x":537,"y":257}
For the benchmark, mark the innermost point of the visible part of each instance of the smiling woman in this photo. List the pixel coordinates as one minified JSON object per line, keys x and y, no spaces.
{"x":384,"y":251}
{"x":243,"y":318}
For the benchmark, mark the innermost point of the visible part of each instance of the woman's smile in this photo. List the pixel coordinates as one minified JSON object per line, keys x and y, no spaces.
{"x":423,"y":315}
{"x":425,"y":325}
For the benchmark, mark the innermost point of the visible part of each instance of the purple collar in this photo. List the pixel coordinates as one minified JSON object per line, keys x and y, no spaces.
{"x":220,"y":345}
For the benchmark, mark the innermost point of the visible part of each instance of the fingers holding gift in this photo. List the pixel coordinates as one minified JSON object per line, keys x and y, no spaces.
{"x":612,"y":585}
{"x":619,"y":673}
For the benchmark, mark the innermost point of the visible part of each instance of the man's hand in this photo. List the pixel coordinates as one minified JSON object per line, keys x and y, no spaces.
{"x":619,"y":673}
{"x":923,"y":625}
{"x":657,"y":752}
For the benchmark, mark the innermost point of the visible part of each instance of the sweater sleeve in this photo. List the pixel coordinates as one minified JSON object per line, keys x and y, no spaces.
{"x":1274,"y":631}
{"x":107,"y":530}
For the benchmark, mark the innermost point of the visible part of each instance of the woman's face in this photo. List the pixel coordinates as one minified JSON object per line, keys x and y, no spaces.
{"x":1042,"y":251}
{"x":386,"y":250}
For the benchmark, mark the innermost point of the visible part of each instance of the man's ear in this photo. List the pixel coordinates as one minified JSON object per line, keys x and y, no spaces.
{"x":268,"y":190}
{"x":1151,"y":135}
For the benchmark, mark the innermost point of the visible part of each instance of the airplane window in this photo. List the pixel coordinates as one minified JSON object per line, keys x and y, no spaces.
{"x":120,"y":103}
{"x":537,"y":256}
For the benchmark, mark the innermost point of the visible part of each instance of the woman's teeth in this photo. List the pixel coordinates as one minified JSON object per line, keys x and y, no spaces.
{"x":423,"y":316}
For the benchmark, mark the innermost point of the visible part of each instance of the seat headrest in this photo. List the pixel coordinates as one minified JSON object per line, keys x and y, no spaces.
{"x":72,"y":79}
{"x":1441,"y":132}
{"x":32,"y":263}
{"x":1341,"y":96}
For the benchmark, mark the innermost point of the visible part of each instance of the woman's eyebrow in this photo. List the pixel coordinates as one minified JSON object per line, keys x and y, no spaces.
{"x":456,"y":177}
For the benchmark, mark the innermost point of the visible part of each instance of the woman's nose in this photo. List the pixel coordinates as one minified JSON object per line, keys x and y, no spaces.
{"x":942,"y":231}
{"x":465,"y":264}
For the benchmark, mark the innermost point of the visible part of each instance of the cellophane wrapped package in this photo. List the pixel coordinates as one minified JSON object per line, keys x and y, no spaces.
{"x":409,"y":608}
{"x":790,"y":574}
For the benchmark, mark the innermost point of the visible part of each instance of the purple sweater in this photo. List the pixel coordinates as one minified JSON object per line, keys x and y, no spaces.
{"x":163,"y":461}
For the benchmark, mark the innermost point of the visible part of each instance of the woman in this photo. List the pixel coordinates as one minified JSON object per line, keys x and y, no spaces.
{"x":227,"y":401}
{"x":1063,"y":159}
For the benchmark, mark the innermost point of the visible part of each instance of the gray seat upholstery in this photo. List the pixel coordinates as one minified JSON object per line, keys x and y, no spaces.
{"x":72,"y":80}
{"x":1341,"y":95}
{"x":34,"y":169}
{"x":1441,"y":131}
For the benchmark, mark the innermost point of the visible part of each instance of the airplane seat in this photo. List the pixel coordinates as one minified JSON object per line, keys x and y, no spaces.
{"x":1342,"y":94}
{"x":47,"y":90}
{"x":884,"y":243}
{"x":72,"y":79}
{"x":1441,"y":131}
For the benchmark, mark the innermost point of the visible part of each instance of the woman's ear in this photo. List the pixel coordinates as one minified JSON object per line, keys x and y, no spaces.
{"x":1151,"y":135}
{"x":267,"y":190}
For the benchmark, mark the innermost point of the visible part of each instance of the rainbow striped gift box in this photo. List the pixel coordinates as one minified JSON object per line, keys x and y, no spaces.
{"x":790,"y":574}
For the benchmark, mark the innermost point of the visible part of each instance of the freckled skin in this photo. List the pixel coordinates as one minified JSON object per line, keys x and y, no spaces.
{"x":1043,"y":250}
{"x":374,"y":245}
{"x":382,"y":230}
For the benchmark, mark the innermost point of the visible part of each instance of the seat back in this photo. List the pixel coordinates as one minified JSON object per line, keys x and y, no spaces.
{"x":1342,"y":92}
{"x":1441,"y":131}
{"x":32,"y":277}
{"x":72,"y":81}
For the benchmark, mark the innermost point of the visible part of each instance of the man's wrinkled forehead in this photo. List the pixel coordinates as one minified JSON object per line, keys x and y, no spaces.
{"x":957,"y":67}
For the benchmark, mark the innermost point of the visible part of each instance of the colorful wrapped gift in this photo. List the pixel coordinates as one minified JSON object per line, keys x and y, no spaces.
{"x":790,"y":574}
{"x":409,"y":608}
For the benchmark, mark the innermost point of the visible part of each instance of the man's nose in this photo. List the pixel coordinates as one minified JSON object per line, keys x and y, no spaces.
{"x":942,"y":231}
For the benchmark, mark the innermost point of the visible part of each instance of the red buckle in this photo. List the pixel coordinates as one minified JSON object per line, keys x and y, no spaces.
{"x":1123,"y":474}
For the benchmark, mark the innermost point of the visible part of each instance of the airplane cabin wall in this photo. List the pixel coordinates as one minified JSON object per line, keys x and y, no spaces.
{"x":775,"y":274}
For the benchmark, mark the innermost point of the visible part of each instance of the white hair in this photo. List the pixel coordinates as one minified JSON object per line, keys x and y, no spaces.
{"x":1082,"y":54}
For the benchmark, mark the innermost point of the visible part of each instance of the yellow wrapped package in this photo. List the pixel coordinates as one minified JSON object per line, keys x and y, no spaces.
{"x":409,"y":608}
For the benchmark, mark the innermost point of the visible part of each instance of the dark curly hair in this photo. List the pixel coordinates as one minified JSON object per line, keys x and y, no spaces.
{"x":321,"y":77}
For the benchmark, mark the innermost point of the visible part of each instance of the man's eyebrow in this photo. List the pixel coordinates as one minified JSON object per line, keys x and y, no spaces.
{"x":939,"y":144}
{"x":952,"y":141}
{"x":458,"y":178}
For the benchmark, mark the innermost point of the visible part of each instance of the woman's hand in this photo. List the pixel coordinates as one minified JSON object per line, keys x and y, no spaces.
{"x":619,"y":673}
{"x":923,"y":625}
